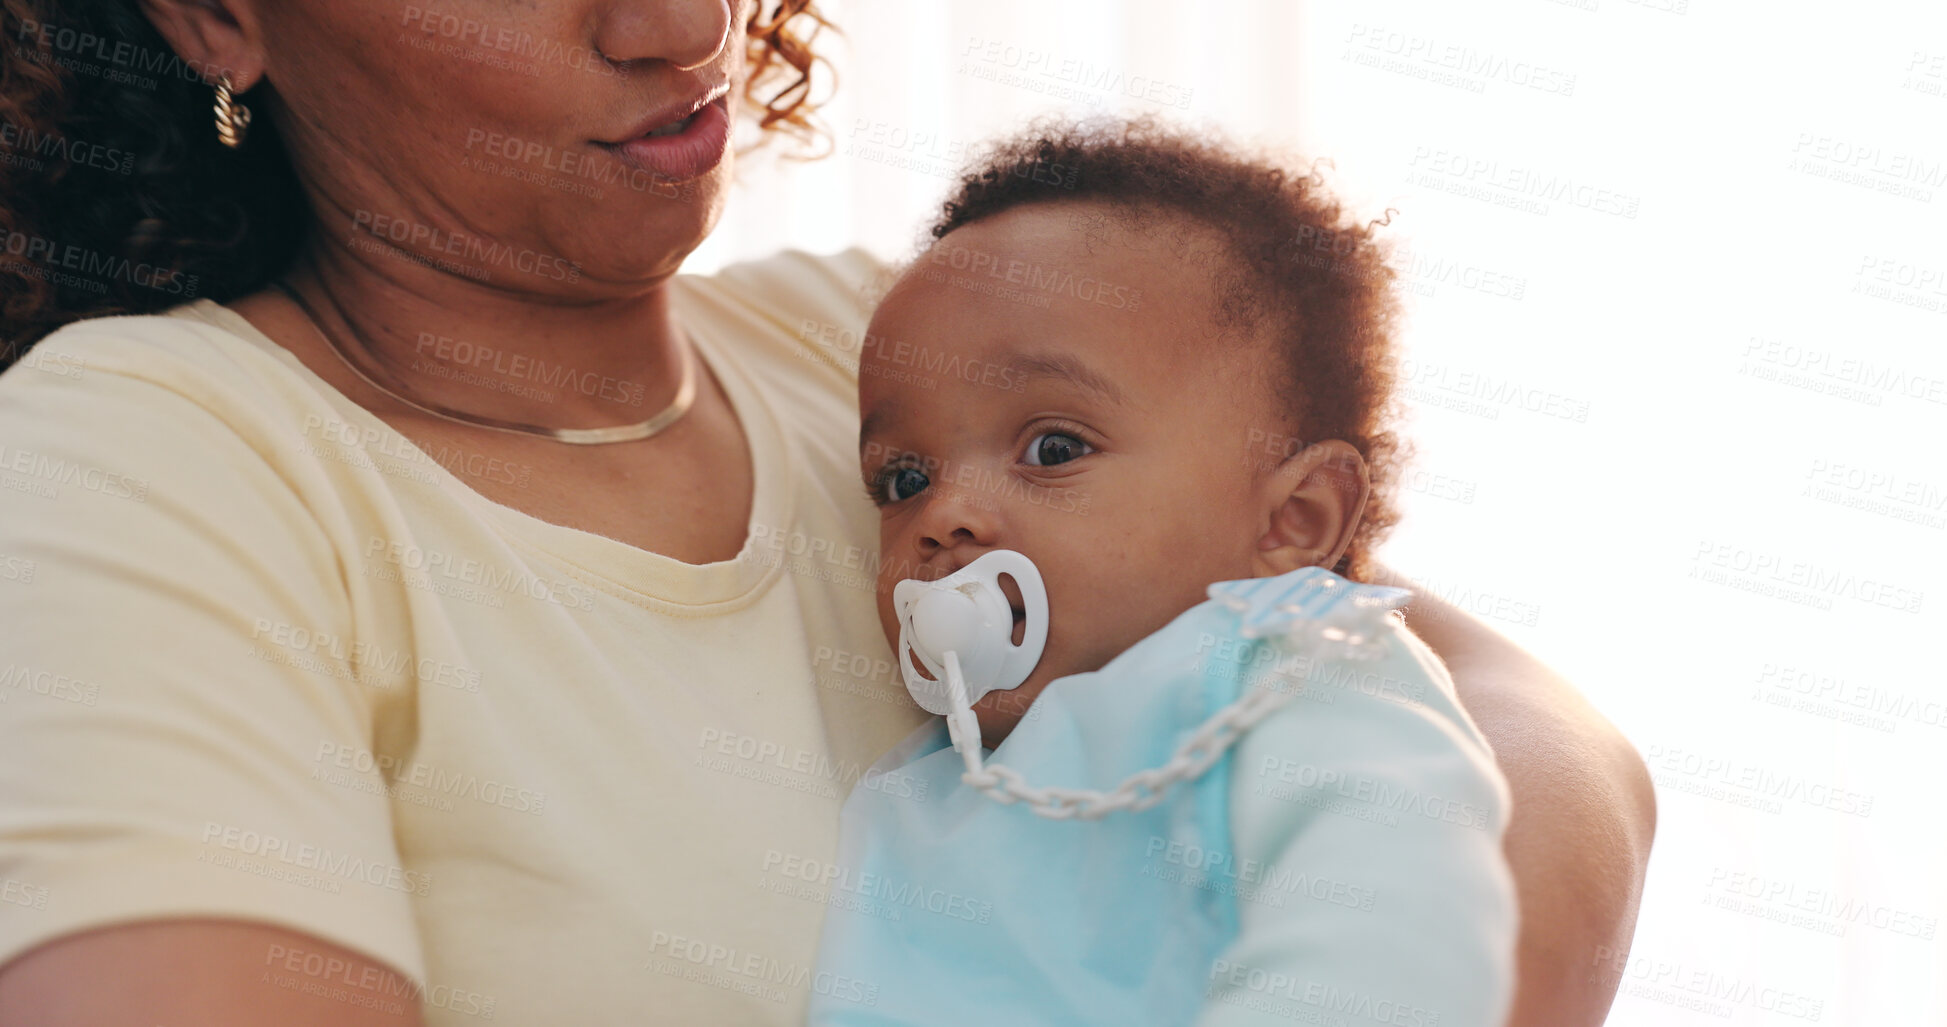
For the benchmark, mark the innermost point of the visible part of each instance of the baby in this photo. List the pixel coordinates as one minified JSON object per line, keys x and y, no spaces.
{"x":1161,"y":372}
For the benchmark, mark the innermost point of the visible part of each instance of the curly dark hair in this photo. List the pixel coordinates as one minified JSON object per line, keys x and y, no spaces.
{"x":1298,"y":266}
{"x":142,"y":187}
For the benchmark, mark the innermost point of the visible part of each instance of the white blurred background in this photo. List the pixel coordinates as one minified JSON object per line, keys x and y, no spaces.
{"x":1678,"y":360}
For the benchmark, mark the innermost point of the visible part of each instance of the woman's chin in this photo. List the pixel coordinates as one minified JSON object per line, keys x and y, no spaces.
{"x":645,"y":239}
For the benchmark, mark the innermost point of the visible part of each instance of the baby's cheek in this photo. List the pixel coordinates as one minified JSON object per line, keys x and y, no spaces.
{"x":887,"y":621}
{"x":1212,"y":544}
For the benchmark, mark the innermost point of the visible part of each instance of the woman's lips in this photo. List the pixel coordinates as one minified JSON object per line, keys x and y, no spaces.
{"x":687,"y":154}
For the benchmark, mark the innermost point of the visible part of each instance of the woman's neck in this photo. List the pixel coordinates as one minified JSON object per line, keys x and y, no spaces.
{"x":480,"y":332}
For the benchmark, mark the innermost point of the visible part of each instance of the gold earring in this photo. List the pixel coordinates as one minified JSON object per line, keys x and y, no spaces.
{"x":232,"y":118}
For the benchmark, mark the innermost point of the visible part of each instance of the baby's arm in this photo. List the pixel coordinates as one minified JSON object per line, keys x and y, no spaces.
{"x":1374,"y":813}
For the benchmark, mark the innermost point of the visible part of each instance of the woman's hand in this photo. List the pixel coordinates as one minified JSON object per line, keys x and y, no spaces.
{"x":1584,"y":814}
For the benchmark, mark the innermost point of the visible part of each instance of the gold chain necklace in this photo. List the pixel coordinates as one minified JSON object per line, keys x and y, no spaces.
{"x":680,"y":405}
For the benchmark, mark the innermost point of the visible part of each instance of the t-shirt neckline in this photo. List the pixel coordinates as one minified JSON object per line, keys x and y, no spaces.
{"x":643,"y":576}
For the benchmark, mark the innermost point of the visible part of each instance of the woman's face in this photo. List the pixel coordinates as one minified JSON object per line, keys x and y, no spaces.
{"x":492,"y":136}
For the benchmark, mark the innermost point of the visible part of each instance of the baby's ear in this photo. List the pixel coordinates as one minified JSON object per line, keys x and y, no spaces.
{"x":1311,"y":503}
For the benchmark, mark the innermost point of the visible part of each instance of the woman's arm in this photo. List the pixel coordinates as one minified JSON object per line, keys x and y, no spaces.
{"x":189,"y":865}
{"x":210,"y":972}
{"x":1584,"y":814}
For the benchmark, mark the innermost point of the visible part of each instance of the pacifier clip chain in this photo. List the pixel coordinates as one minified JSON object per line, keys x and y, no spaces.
{"x":1139,"y":791}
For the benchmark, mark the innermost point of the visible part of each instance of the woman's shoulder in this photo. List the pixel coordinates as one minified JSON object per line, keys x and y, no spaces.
{"x":170,"y":327}
{"x":849,"y":276}
{"x":201,"y":351}
{"x":187,"y":396}
{"x":803,"y":306}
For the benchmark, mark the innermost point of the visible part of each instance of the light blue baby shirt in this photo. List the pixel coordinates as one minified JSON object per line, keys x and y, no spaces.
{"x":1340,"y":865}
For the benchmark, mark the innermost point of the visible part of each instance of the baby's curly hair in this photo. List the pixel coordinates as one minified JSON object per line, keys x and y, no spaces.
{"x":1297,"y":265}
{"x":209,"y":221}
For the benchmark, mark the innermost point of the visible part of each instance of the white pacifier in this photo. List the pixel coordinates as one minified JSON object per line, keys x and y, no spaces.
{"x":967,"y":615}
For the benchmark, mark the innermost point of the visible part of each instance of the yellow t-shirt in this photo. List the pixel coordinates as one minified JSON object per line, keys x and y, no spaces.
{"x":263,"y":658}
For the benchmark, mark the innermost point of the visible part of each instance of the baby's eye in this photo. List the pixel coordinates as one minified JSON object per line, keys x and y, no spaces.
{"x":903,"y":483}
{"x":1050,"y":448}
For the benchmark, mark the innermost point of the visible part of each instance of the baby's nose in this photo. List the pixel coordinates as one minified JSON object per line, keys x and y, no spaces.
{"x":958,"y":521}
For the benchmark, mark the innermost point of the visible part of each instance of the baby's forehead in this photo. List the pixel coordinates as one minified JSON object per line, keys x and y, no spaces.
{"x":1110,"y":259}
{"x":1090,"y":230}
{"x":1074,"y":284}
